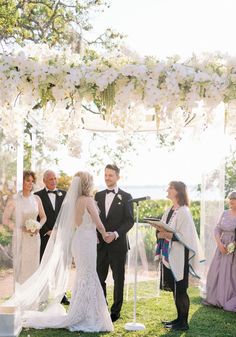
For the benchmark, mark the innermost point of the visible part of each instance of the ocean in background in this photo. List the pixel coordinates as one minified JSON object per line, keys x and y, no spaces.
{"x":155,"y":192}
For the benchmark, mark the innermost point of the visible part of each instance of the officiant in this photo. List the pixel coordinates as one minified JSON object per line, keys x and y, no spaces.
{"x":178,"y":251}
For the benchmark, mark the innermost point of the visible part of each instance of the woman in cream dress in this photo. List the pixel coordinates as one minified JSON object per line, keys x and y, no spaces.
{"x":23,"y":207}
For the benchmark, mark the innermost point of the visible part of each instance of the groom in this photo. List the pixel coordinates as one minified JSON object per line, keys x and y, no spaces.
{"x":116,"y":214}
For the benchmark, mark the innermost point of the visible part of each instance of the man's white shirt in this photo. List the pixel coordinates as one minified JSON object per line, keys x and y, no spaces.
{"x":109,"y":198}
{"x":52,"y":198}
{"x":108,"y":201}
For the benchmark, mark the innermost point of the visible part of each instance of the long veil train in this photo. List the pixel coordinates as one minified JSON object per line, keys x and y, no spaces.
{"x":48,"y":284}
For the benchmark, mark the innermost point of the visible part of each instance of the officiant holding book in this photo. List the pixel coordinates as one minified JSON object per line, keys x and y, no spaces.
{"x":178,"y":250}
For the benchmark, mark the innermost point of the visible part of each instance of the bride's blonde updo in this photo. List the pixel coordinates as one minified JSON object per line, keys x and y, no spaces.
{"x":86,"y":182}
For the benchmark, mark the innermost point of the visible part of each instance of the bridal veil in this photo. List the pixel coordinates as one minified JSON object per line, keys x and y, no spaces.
{"x":48,"y":284}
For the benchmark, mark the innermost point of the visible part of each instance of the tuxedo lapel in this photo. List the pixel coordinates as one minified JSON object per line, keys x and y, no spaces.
{"x":103,"y":202}
{"x":114,"y":204}
{"x":58,"y":203}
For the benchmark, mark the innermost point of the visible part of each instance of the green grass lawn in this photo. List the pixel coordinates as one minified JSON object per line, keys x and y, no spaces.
{"x":204,"y":321}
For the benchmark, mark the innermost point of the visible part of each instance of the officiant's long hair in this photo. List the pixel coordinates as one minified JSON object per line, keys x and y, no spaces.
{"x":182,"y":194}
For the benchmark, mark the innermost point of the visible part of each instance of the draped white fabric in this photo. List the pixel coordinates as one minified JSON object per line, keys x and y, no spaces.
{"x":212,"y":188}
{"x":48,"y":284}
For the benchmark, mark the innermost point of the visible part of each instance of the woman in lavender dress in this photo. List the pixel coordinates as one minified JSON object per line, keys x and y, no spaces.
{"x":221,"y":278}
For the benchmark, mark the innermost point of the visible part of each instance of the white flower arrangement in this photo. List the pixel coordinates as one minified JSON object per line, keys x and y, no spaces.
{"x":125,"y":87}
{"x":59,"y":193}
{"x":230,"y":248}
{"x":32,"y":225}
{"x":119,"y":196}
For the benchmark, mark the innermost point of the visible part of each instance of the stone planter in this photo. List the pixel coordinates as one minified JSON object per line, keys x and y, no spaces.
{"x":10,"y":321}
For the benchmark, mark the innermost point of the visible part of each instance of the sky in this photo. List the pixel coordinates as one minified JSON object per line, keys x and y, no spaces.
{"x":168,"y":27}
{"x":165,"y":28}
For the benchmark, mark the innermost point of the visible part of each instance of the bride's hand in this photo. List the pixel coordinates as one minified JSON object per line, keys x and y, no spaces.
{"x":105,"y":236}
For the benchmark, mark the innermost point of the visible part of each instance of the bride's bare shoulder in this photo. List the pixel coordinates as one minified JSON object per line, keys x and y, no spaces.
{"x":83,"y":199}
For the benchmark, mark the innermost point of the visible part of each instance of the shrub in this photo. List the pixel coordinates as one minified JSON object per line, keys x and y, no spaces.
{"x":5,"y":236}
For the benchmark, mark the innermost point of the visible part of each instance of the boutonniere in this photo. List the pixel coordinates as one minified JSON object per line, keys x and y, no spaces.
{"x":59,"y":193}
{"x":119,"y":196}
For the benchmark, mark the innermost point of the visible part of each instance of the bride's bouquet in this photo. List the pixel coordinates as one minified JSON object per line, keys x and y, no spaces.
{"x":32,"y":225}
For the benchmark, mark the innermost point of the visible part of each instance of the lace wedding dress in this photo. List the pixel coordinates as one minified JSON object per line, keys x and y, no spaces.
{"x":88,"y":310}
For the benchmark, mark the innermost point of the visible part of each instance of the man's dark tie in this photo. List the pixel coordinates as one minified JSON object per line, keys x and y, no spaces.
{"x":110,"y":191}
{"x":48,"y":191}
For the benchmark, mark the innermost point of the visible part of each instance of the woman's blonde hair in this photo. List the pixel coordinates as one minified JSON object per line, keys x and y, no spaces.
{"x":86,"y":182}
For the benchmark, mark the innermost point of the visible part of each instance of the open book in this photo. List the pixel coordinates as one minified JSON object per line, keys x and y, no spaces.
{"x":158,"y":224}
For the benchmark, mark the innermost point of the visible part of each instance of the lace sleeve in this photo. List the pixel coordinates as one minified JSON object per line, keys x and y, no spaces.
{"x":8,"y":214}
{"x":93,"y":211}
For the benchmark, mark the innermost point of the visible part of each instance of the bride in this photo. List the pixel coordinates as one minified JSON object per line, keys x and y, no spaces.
{"x":74,"y":235}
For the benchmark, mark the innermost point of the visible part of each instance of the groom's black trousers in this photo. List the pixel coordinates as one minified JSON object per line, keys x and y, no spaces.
{"x":116,"y":260}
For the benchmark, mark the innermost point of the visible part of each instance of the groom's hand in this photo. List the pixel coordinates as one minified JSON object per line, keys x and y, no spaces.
{"x":110,"y":237}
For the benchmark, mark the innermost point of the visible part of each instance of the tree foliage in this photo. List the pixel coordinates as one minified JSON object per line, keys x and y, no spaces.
{"x":57,"y":23}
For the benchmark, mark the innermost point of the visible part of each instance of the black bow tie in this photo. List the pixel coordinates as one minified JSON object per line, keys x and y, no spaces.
{"x":110,"y":191}
{"x":54,"y":192}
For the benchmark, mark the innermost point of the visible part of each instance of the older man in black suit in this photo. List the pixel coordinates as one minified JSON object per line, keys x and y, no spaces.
{"x":116,"y":213}
{"x":52,"y":199}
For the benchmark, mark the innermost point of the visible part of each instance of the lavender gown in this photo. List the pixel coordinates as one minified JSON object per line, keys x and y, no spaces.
{"x":221,"y":278}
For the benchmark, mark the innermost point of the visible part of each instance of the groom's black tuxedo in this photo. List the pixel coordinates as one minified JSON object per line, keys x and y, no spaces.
{"x":119,"y":219}
{"x":50,"y":213}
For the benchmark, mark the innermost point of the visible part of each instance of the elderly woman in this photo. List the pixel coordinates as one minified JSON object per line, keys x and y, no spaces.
{"x":20,"y":215}
{"x":179,"y":252}
{"x":221,"y":278}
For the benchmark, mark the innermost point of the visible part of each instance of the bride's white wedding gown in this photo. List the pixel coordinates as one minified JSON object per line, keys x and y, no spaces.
{"x":88,"y":309}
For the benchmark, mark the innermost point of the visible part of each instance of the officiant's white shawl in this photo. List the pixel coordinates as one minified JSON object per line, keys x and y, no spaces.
{"x":185,"y":231}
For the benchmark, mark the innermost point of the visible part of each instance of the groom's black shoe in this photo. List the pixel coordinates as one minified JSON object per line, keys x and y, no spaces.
{"x":65,"y":300}
{"x":115,"y":317}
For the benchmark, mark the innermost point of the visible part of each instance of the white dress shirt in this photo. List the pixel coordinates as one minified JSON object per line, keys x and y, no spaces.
{"x":108,"y":201}
{"x":52,"y":197}
{"x":109,"y":198}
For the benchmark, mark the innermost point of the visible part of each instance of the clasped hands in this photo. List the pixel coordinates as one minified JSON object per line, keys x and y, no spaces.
{"x":109,"y":237}
{"x":162,"y":234}
{"x":222,"y":248}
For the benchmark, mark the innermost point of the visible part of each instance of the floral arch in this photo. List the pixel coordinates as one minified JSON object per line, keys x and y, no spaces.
{"x":63,"y":95}
{"x":57,"y":89}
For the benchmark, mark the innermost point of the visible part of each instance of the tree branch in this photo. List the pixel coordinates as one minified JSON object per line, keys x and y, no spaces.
{"x":88,"y":109}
